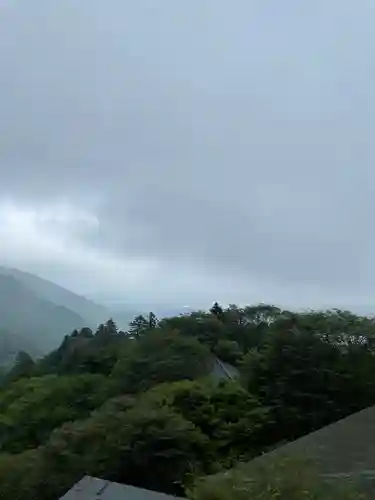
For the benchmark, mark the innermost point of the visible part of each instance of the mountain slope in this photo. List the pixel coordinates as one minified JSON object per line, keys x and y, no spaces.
{"x":11,"y":344}
{"x":25,"y":314}
{"x":44,"y":289}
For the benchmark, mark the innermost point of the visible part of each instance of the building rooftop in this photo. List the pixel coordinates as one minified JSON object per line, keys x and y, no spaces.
{"x":344,"y":449}
{"x":223,"y":371}
{"x":91,"y":488}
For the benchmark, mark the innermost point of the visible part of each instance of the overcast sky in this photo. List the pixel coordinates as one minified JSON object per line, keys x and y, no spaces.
{"x":185,"y":152}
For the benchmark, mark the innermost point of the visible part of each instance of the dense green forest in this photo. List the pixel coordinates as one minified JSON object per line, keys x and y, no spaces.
{"x":142,"y":407}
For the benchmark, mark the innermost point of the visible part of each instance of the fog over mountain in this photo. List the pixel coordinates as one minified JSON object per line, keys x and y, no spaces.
{"x":36,"y":314}
{"x":144,"y":165}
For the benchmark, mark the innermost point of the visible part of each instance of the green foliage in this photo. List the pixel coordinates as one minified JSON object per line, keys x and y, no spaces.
{"x":138,"y":326}
{"x":18,"y":476}
{"x":206,"y":328}
{"x":228,"y":351}
{"x":160,"y":356}
{"x":217,"y":310}
{"x":247,"y":326}
{"x":140,"y":408}
{"x":31,"y":408}
{"x":231,"y":418}
{"x":153,"y":449}
{"x":309,"y":379}
{"x":105,"y":334}
{"x":85,"y":352}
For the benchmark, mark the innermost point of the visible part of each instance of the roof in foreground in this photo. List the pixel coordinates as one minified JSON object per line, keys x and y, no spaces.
{"x":91,"y":488}
{"x":344,"y":449}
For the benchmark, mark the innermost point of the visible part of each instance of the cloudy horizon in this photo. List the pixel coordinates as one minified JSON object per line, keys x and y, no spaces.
{"x":190,"y":152}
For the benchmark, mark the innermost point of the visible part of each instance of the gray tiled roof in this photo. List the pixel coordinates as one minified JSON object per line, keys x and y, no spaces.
{"x":223,"y":371}
{"x":344,"y":449}
{"x":91,"y":488}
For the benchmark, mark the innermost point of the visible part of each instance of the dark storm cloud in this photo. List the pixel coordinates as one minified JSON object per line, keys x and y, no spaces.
{"x":228,"y":140}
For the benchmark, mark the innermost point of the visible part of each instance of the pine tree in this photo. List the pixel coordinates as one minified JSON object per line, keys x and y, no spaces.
{"x":86,"y":332}
{"x":138,"y":326}
{"x":152,"y":321}
{"x":217,"y":310}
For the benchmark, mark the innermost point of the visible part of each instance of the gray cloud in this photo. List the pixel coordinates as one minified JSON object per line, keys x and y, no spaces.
{"x":224,"y":149}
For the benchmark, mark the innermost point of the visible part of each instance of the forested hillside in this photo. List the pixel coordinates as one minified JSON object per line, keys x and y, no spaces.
{"x":46,"y":290}
{"x":39,"y":321}
{"x":141,"y":407}
{"x":35,"y":314}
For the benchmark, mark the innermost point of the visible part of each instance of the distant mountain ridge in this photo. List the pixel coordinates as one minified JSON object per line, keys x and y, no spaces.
{"x":44,"y":289}
{"x":35,"y":314}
